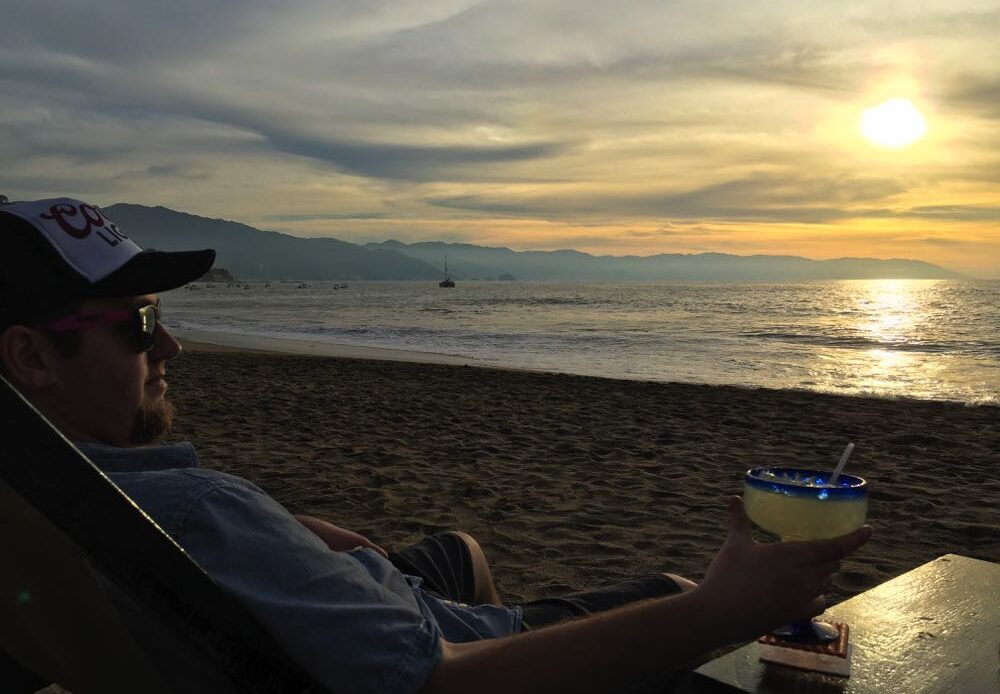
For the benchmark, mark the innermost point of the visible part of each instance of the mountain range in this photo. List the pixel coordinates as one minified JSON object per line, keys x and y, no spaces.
{"x":250,"y":253}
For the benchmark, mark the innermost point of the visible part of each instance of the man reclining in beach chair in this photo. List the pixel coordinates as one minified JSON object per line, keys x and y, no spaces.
{"x":80,"y":337}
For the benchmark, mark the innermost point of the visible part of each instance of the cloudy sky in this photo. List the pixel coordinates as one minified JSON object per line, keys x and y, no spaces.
{"x":626,"y":127}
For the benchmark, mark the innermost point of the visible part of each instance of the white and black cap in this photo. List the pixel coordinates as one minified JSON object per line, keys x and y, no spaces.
{"x":60,"y":250}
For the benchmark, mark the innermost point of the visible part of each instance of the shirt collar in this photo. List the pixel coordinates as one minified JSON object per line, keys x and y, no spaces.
{"x":140,"y":459}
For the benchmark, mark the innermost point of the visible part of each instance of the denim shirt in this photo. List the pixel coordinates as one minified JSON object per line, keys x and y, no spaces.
{"x":351,"y":619}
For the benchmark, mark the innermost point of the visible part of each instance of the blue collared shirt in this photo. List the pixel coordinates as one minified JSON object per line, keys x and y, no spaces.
{"x":351,"y":619}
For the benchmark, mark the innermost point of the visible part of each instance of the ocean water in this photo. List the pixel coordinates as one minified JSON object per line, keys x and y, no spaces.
{"x":929,"y":339}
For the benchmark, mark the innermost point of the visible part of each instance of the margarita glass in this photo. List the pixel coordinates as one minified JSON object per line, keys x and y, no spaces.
{"x":797,"y":504}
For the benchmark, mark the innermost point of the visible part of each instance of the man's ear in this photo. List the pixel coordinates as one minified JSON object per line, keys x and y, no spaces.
{"x":27,"y":358}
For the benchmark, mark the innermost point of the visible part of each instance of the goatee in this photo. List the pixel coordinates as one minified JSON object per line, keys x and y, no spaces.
{"x":152,"y":422}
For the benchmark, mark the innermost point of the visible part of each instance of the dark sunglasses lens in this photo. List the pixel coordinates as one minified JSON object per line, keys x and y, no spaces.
{"x":148,"y":316}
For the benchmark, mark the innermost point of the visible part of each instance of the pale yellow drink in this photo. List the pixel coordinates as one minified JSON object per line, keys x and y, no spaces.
{"x":798,"y":504}
{"x":794,"y":517}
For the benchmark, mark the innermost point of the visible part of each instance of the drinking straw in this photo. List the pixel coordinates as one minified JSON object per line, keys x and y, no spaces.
{"x":841,"y":464}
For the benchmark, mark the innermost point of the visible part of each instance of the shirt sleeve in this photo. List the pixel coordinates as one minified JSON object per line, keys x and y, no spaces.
{"x":352,"y":621}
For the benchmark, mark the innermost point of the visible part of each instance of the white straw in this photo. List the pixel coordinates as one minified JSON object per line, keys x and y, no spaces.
{"x":841,"y":464}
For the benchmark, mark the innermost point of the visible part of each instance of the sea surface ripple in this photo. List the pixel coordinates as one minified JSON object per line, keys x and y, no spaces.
{"x":928,"y":339}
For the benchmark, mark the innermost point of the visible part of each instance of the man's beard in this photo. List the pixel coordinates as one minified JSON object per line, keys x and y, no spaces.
{"x":152,"y":422}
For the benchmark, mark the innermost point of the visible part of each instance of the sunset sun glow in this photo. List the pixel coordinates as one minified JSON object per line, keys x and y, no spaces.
{"x":895,"y":124}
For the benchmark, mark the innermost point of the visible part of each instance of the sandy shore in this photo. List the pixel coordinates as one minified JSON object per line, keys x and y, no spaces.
{"x":571,"y":482}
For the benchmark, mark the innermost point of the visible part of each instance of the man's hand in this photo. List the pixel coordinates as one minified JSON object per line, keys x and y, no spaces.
{"x":764,"y":586}
{"x":336,"y":538}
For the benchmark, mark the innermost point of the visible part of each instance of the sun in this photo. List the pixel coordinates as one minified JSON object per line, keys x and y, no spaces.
{"x":894,"y":124}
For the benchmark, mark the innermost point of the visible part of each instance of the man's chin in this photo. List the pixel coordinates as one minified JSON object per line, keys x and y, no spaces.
{"x":152,"y":422}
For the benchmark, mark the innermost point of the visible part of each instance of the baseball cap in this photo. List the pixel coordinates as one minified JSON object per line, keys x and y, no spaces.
{"x":59,"y":250}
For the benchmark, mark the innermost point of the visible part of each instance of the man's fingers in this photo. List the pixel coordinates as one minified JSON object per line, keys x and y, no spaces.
{"x":835,"y":548}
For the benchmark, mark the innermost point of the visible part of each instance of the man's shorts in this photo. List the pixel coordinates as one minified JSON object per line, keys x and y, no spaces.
{"x":445,"y":564}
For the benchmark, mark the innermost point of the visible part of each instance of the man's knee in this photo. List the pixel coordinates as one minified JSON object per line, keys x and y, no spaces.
{"x":486,"y":591}
{"x":683,"y":583}
{"x":479,"y":562}
{"x":474,"y":548}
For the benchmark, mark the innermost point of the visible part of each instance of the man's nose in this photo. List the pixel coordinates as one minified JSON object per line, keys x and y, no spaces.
{"x":167,"y":346}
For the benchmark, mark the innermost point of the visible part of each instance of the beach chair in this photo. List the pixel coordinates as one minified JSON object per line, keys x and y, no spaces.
{"x":97,"y":598}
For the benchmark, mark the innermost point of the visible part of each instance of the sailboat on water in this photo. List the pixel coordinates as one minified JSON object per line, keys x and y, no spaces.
{"x":447,"y":281}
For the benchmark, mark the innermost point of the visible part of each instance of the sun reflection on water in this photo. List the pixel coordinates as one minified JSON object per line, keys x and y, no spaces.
{"x":891,"y":311}
{"x":890,"y":325}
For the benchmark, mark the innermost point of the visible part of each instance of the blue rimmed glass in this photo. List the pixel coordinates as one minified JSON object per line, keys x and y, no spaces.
{"x":800,"y":504}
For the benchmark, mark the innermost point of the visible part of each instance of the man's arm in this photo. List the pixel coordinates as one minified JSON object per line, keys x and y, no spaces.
{"x":749,"y":588}
{"x":336,"y":538}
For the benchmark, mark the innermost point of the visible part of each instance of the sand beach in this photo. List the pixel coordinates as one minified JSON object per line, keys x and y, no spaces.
{"x":571,"y":482}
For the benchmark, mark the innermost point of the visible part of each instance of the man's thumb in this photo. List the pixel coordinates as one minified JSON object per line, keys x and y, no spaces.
{"x":739,"y":522}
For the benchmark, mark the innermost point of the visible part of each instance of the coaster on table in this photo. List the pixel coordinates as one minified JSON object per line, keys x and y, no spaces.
{"x":832,"y":657}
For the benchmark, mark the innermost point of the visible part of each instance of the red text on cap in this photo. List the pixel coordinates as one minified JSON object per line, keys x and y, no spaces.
{"x":92,"y":219}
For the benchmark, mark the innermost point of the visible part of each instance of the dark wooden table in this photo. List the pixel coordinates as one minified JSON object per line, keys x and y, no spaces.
{"x":933,"y":630}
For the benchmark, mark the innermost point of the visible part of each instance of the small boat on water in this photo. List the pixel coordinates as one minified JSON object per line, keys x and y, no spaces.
{"x":447,"y":282}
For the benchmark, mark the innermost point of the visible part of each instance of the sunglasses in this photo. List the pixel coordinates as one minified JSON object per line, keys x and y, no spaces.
{"x":144,"y":321}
